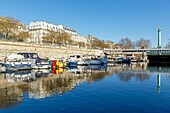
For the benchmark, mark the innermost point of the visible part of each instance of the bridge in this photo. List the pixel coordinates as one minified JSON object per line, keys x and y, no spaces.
{"x":149,"y":51}
{"x":157,"y":55}
{"x":153,"y":55}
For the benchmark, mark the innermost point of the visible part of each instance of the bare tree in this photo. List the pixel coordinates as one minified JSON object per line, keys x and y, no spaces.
{"x":65,"y":38}
{"x":81,"y":44}
{"x":168,"y":43}
{"x":99,"y":44}
{"x":57,"y":37}
{"x":70,"y":42}
{"x":126,"y":43}
{"x":143,"y":43}
{"x":51,"y":37}
{"x":9,"y":27}
{"x":22,"y":36}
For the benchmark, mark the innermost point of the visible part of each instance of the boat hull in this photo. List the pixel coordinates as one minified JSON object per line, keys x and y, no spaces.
{"x":15,"y":67}
{"x":71,"y":64}
{"x":100,"y":61}
{"x":123,"y":60}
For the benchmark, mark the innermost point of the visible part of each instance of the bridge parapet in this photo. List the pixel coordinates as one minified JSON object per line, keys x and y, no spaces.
{"x":158,"y":52}
{"x":148,"y":51}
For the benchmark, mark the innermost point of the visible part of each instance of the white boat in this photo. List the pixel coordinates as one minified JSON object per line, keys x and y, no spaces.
{"x":96,"y":59}
{"x":2,"y":69}
{"x":40,"y":62}
{"x":76,"y":59}
{"x":17,"y":62}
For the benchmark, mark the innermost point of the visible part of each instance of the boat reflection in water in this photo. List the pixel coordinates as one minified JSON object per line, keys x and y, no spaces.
{"x":42,"y":84}
{"x":26,"y":75}
{"x":87,"y":70}
{"x":57,"y":70}
{"x":39,"y":84}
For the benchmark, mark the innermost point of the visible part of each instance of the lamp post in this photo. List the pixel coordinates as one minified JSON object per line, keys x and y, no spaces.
{"x":168,"y":44}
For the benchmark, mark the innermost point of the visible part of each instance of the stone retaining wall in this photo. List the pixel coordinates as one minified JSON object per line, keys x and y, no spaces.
{"x":7,"y":48}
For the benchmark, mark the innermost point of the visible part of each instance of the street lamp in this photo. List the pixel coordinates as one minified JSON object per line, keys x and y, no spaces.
{"x":168,"y":44}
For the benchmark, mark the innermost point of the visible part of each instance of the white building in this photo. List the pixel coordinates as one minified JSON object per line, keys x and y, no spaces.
{"x":40,"y":28}
{"x":67,"y":29}
{"x":79,"y":38}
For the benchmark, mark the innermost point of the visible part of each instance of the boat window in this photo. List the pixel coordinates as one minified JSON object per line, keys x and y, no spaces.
{"x":29,"y":56}
{"x":78,"y":56}
{"x":25,"y":56}
{"x":71,"y":56}
{"x":34,"y":56}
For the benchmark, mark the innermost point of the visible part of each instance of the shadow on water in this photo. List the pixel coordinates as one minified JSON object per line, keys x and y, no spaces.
{"x":159,"y":64}
{"x":39,"y":84}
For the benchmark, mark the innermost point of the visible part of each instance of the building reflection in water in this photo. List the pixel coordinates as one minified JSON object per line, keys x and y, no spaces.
{"x":128,"y":71}
{"x":45,"y":83}
{"x":10,"y":97}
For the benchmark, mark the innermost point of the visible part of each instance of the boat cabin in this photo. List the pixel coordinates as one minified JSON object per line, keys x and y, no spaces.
{"x":74,"y":57}
{"x":32,"y":56}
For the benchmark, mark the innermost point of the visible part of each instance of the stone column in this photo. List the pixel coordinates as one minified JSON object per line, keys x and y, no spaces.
{"x":159,"y":37}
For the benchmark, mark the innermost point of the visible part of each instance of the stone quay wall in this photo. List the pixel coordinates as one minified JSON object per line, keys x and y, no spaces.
{"x":8,"y":48}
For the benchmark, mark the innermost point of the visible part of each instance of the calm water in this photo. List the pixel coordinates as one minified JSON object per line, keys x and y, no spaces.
{"x":120,"y":88}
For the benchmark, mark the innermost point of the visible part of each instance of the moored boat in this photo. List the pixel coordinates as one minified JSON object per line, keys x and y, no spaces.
{"x":96,"y":60}
{"x":17,"y":62}
{"x":40,"y":63}
{"x":123,"y":60}
{"x":57,"y":63}
{"x":76,"y":59}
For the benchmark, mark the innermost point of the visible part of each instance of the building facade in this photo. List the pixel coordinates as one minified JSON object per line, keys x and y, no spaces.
{"x":39,"y":29}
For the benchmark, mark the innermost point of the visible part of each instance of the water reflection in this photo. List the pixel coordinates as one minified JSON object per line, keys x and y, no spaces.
{"x":159,"y":82}
{"x":137,"y":71}
{"x":10,"y":97}
{"x":142,"y":72}
{"x":87,"y":70}
{"x":26,"y":75}
{"x":39,"y":84}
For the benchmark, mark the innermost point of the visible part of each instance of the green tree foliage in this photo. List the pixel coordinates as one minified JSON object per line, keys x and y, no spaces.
{"x":9,"y":27}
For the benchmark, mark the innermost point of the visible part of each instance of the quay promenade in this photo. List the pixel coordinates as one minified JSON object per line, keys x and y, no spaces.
{"x":7,"y":48}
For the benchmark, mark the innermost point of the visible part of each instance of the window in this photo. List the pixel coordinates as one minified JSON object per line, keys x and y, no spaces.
{"x":35,"y":56}
{"x":78,"y":56}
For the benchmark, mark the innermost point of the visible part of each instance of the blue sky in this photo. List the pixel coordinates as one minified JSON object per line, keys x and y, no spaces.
{"x":105,"y":19}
